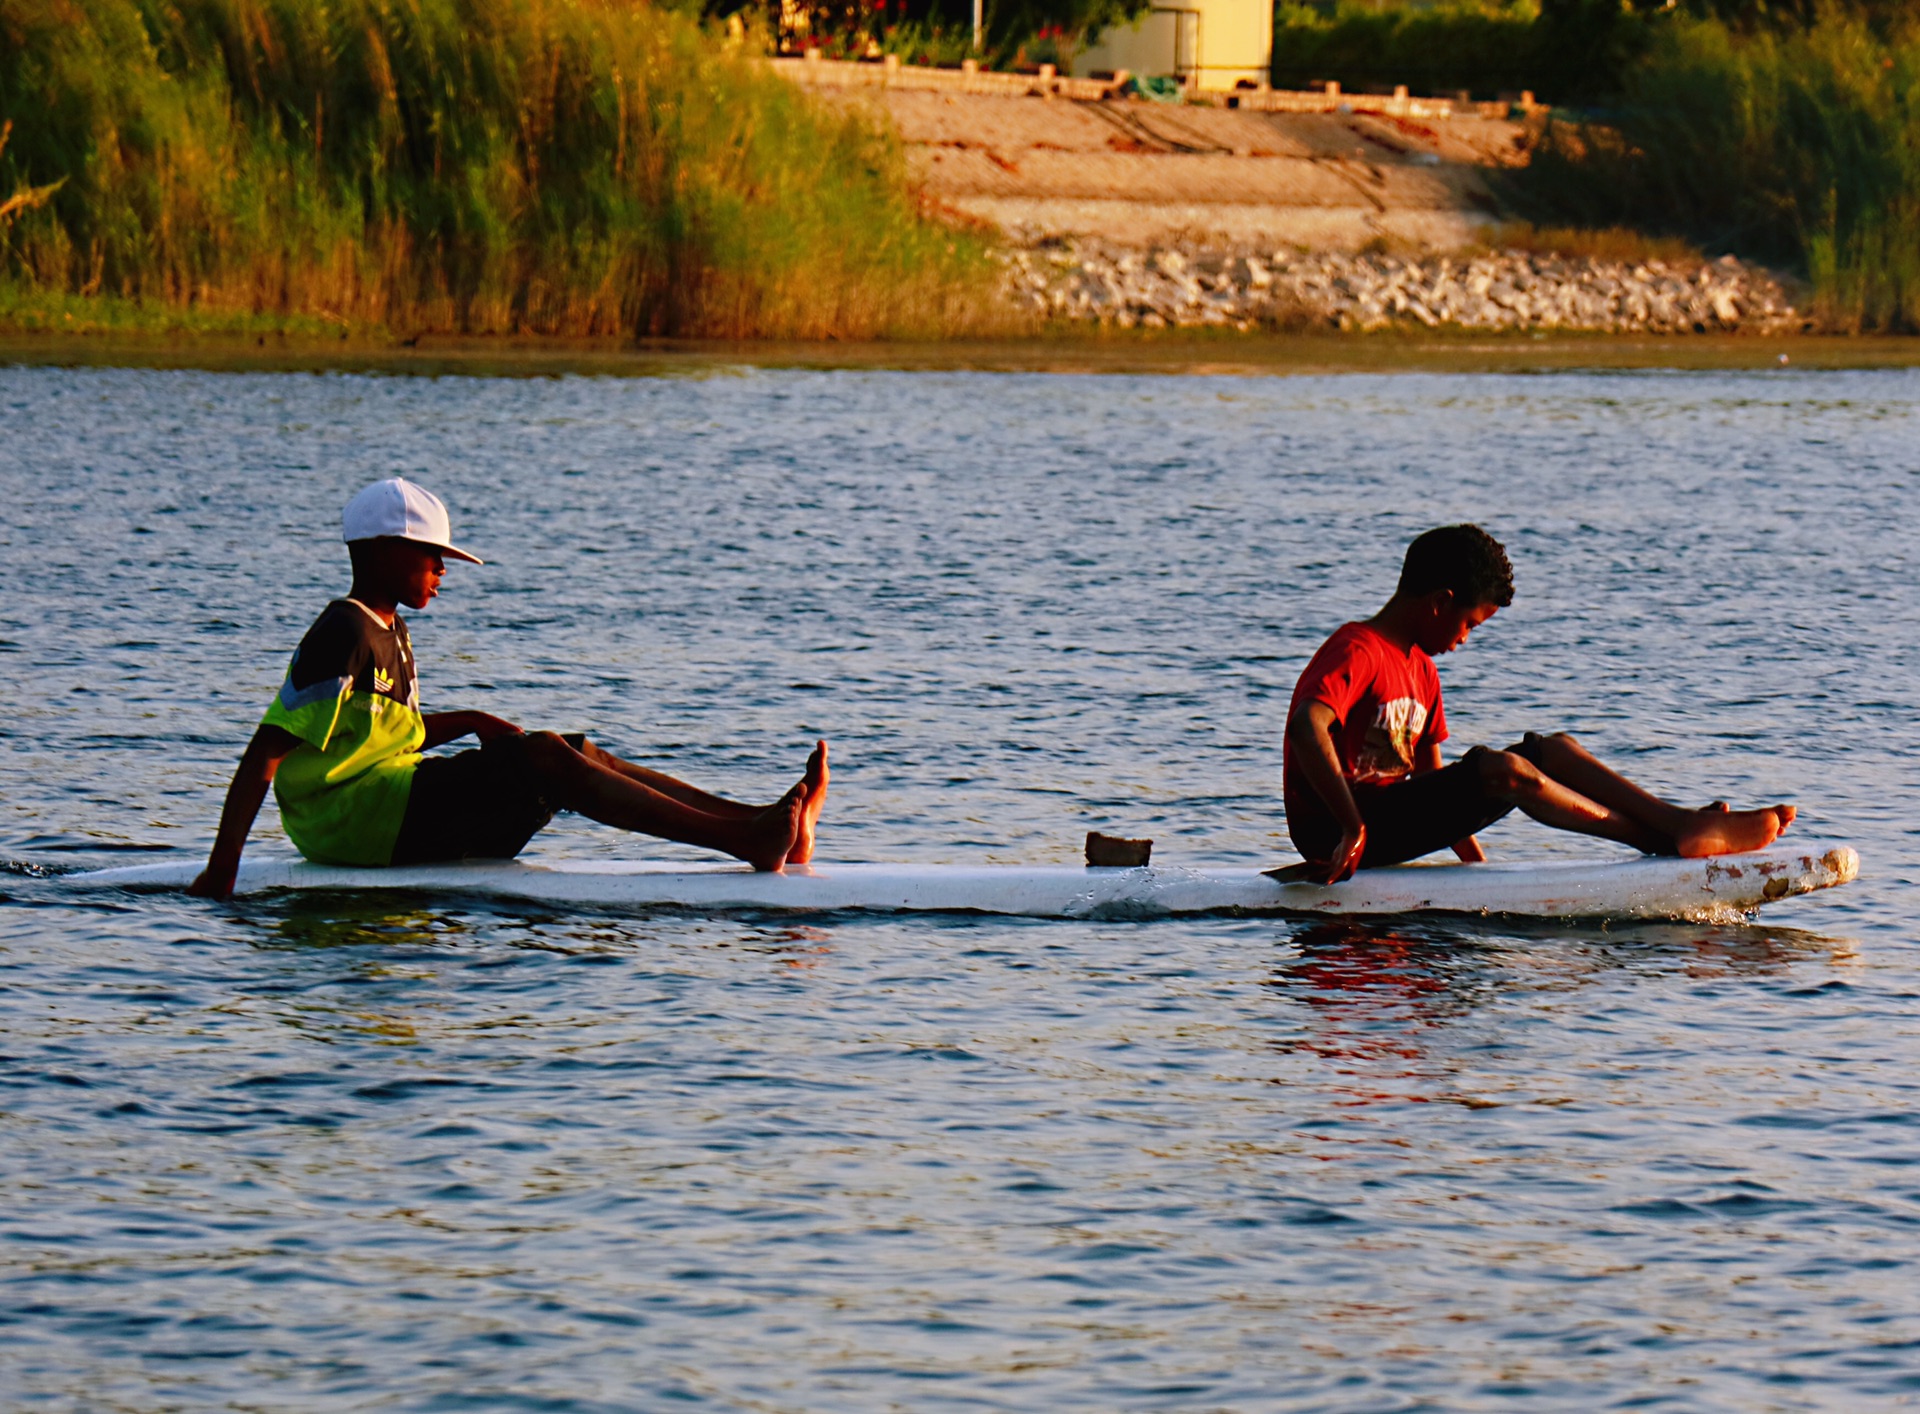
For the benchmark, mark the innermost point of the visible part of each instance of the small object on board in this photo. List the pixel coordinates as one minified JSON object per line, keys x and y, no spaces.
{"x":1112,"y":852}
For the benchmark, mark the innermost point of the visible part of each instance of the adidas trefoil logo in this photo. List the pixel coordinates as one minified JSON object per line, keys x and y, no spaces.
{"x":381,"y":682}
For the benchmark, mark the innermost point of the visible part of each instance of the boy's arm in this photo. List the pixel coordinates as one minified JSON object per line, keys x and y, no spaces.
{"x":443,"y":727}
{"x":1426,"y":759}
{"x":270,"y":746}
{"x":1311,"y":731}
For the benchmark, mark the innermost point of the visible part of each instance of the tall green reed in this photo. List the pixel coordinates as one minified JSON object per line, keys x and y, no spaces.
{"x":1800,"y":146}
{"x":577,"y":167}
{"x":1483,"y":46}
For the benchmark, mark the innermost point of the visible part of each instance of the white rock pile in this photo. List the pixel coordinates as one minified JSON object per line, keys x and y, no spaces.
{"x":1192,"y":286}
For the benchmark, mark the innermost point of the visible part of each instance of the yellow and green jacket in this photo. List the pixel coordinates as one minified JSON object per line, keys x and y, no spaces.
{"x":352,"y":698}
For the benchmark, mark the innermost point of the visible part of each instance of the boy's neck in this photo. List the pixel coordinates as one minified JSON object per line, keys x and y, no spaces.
{"x":383,"y":606}
{"x":1399,"y":621}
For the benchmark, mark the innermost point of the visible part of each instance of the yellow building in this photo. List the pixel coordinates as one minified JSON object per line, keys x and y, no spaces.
{"x":1211,"y":44}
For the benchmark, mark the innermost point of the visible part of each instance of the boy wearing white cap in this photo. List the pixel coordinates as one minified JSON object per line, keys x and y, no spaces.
{"x":341,"y":742}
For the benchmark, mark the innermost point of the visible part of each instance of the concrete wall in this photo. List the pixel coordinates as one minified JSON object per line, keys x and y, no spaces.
{"x":1213,"y":44}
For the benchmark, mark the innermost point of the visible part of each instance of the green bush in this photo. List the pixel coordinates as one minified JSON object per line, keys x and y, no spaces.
{"x":580,"y":167}
{"x":1799,"y":145}
{"x":1015,"y":32}
{"x":1565,"y":51}
{"x":1486,"y":49}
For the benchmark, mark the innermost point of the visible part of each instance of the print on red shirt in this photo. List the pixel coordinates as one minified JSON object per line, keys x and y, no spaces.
{"x":1386,"y":750}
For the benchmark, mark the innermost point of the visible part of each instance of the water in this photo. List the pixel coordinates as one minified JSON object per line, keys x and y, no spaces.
{"x":334,"y":1153}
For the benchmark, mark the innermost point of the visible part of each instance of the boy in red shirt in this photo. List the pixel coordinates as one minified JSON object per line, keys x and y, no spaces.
{"x":1364,"y":784}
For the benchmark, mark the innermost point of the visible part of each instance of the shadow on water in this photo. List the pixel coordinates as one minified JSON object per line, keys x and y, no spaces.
{"x":1374,"y":984}
{"x":318,"y":920}
{"x":1428,"y":956}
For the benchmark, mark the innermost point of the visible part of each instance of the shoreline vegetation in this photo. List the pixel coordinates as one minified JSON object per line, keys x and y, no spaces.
{"x":1796,"y":146}
{"x":1785,"y":132}
{"x":599,"y":170}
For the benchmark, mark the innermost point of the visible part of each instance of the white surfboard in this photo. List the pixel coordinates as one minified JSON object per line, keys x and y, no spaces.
{"x":1637,"y":888}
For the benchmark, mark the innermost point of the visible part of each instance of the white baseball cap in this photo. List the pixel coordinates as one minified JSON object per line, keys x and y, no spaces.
{"x":398,"y":507}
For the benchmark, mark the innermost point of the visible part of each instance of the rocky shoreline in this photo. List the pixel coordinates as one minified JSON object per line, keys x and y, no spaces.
{"x":1194,"y":286}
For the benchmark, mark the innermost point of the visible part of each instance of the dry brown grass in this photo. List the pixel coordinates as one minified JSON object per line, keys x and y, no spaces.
{"x":1614,"y":244}
{"x":584,"y":168}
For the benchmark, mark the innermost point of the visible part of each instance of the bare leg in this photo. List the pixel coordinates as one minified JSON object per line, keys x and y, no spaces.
{"x":669,"y":786}
{"x":1516,"y":779}
{"x":1565,"y":760}
{"x":572,"y":780}
{"x":1715,"y":830}
{"x":1571,"y":790}
{"x":813,"y":783}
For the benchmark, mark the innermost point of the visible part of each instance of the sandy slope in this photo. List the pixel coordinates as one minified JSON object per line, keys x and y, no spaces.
{"x":1146,"y":174}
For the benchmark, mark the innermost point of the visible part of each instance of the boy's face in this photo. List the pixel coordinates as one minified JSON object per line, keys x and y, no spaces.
{"x":418,"y":572}
{"x":406,"y":570}
{"x":1451,"y":623}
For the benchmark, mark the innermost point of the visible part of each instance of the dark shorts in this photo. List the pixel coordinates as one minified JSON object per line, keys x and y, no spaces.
{"x":1414,"y":816}
{"x":482,"y":804}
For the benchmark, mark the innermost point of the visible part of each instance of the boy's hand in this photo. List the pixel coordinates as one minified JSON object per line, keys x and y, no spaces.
{"x":270,"y":746}
{"x":1311,"y":732}
{"x":486,"y":727}
{"x":1346,"y":856}
{"x":214,"y":884}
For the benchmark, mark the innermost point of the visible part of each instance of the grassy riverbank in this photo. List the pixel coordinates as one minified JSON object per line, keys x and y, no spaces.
{"x":360,"y":170}
{"x":527,"y":166}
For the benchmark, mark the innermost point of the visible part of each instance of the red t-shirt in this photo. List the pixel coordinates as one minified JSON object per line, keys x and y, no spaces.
{"x":1386,"y":705}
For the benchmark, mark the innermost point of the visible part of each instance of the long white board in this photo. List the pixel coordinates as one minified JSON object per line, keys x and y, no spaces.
{"x":1635,"y":888}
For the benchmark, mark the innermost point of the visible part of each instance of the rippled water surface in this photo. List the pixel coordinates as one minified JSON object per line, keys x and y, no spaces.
{"x":339,"y":1153}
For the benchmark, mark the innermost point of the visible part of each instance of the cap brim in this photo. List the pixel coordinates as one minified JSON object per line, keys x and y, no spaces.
{"x":452,"y":552}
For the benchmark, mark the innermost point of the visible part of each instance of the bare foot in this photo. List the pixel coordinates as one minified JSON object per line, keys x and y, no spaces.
{"x":769,"y":836}
{"x":1731,"y":831}
{"x":814,"y":783}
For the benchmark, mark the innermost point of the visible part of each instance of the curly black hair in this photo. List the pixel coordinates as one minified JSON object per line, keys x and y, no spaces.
{"x":1462,"y":558}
